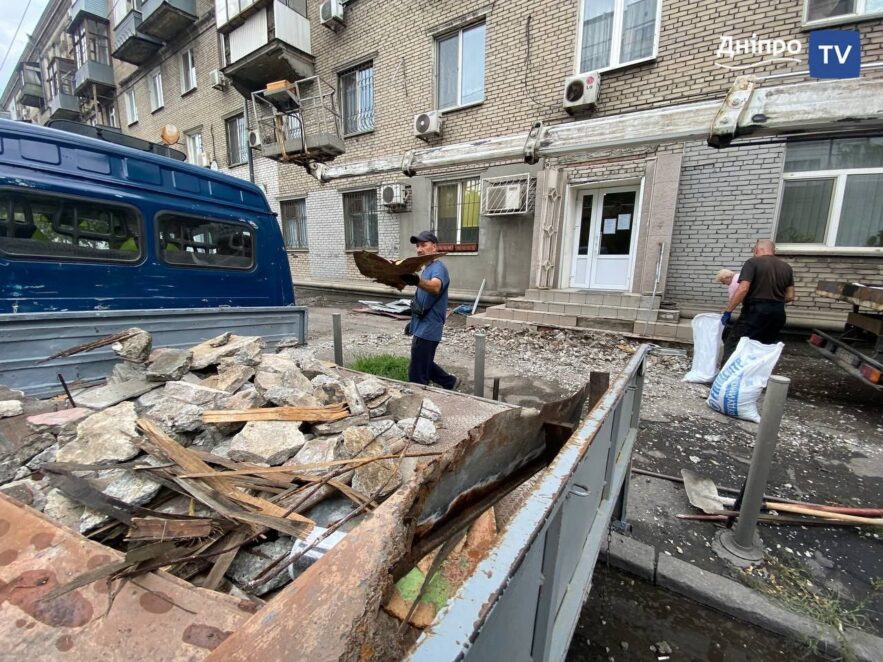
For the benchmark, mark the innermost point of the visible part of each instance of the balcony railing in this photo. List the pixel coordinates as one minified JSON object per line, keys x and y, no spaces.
{"x":81,"y":9}
{"x":93,"y":73}
{"x":164,"y":19}
{"x":130,"y":44}
{"x":30,"y":92}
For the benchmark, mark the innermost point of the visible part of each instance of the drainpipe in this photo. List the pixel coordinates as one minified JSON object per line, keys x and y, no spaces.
{"x":247,"y":148}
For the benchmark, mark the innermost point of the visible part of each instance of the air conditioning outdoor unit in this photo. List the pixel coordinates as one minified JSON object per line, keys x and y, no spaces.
{"x":331,"y":14}
{"x":428,"y":125}
{"x":254,"y":138}
{"x":218,"y":81}
{"x":395,"y":197}
{"x":508,"y":196}
{"x":581,"y":92}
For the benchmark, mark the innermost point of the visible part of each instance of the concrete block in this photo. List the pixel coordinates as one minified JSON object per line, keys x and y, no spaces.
{"x":630,"y":555}
{"x":556,"y":307}
{"x":607,"y":311}
{"x":591,"y":310}
{"x":560,"y":296}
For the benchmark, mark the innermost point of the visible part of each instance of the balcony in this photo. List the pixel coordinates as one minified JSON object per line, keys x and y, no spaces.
{"x":80,"y":9}
{"x":164,"y":19}
{"x":230,"y":14}
{"x":130,"y":44}
{"x":30,"y":92}
{"x":93,"y":73}
{"x":64,"y":106}
{"x":275,"y":60}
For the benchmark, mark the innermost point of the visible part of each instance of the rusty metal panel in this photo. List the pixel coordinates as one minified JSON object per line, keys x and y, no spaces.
{"x":151,"y":617}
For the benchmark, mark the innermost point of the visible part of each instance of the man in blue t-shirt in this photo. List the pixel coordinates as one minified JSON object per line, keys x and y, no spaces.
{"x":432,"y":299}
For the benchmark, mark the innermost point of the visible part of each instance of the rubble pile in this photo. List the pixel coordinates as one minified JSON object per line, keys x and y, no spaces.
{"x":225,"y":464}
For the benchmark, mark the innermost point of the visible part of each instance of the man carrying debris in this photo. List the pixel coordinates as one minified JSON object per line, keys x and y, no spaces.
{"x":766,"y":284}
{"x":428,"y":312}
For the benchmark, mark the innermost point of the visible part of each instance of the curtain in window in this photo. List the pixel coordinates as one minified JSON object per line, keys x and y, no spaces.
{"x":638,"y":30}
{"x":597,"y":34}
{"x":469,"y":212}
{"x":237,"y":140}
{"x":357,"y":87}
{"x":446,"y":213}
{"x":819,"y":9}
{"x":448,"y":71}
{"x":861,"y":220}
{"x":804,"y":214}
{"x":294,"y":223}
{"x":360,"y":219}
{"x":473,"y":65}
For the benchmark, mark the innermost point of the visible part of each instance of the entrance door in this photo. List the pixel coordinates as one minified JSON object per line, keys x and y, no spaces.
{"x":604,"y":229}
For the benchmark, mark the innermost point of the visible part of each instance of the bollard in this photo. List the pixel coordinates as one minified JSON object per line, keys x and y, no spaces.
{"x":742,"y":541}
{"x":338,"y":338}
{"x":478,"y":387}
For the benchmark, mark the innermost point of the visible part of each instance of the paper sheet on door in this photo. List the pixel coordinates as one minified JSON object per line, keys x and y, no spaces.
{"x":623,"y":221}
{"x":609,"y":226}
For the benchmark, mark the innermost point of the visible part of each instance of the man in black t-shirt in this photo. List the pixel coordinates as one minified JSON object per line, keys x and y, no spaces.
{"x":766,"y":284}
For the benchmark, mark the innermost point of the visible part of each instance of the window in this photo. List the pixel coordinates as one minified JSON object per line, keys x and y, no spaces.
{"x":91,"y":42}
{"x":121,"y":9}
{"x":193,"y":140}
{"x":357,"y":99}
{"x":36,"y":225}
{"x":198,"y":242}
{"x":614,"y":33}
{"x":131,"y":106}
{"x":360,"y":219}
{"x":456,"y":208}
{"x":188,"y":71}
{"x":237,"y":140}
{"x":60,"y":77}
{"x":294,"y":223}
{"x":832,"y":194}
{"x":821,"y":10}
{"x":460,"y":69}
{"x":154,"y":85}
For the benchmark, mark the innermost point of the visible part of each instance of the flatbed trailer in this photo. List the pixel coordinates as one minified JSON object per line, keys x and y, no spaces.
{"x":858,"y":350}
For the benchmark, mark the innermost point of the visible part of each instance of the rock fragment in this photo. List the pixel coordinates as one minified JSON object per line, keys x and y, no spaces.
{"x":135,"y":348}
{"x":171,"y":365}
{"x":106,"y":436}
{"x":422,"y":431}
{"x":267,"y":442}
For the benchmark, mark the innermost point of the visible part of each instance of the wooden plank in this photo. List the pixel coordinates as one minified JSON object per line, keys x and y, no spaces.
{"x":304,"y":414}
{"x":857,"y":295}
{"x":231,"y":543}
{"x":154,"y":528}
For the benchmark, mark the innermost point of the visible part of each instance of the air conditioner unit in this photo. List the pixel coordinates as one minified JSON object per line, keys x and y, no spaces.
{"x":218,"y":81}
{"x":254,"y":139}
{"x":395,"y":197}
{"x":331,"y":14}
{"x":508,"y":196}
{"x":581,"y":92}
{"x":428,"y":125}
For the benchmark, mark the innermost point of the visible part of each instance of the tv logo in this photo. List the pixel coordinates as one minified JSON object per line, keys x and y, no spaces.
{"x":835,"y":54}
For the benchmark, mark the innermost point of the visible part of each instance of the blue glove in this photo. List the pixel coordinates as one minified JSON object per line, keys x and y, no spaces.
{"x":410,"y":279}
{"x":725,"y":318}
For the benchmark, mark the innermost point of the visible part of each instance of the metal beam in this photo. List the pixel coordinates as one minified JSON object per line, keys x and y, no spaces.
{"x":747,"y":110}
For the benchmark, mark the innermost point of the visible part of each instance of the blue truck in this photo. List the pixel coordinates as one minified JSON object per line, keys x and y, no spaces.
{"x":97,"y":237}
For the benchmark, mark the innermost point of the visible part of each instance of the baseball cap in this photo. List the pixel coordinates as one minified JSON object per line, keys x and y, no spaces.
{"x":426,"y":235}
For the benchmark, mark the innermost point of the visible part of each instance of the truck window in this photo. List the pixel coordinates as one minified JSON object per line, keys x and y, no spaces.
{"x":62,"y":228}
{"x":199,"y":242}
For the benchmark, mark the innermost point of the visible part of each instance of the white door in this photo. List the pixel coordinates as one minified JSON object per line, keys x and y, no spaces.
{"x":605,"y":226}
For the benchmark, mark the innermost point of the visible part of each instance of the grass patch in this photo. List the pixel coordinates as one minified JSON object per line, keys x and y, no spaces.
{"x":383,"y":365}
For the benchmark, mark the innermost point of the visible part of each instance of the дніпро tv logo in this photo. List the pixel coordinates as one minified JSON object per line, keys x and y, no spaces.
{"x":832,"y":53}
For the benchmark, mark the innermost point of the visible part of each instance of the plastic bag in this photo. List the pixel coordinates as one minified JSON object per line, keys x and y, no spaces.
{"x":738,"y":385}
{"x":707,"y":346}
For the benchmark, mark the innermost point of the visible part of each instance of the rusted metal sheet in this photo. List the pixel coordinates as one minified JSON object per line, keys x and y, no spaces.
{"x":858,"y":295}
{"x":151,"y":617}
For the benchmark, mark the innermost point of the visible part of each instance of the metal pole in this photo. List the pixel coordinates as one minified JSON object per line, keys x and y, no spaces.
{"x":478,"y":387}
{"x":338,"y":338}
{"x":742,"y":540}
{"x":496,"y":391}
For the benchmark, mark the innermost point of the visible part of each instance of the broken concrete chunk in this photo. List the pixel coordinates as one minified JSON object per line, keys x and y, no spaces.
{"x":63,"y":510}
{"x":404,"y":406}
{"x":265,"y":380}
{"x":106,"y":436}
{"x":336,"y":427}
{"x":111,"y":394}
{"x":47,"y":455}
{"x":207,"y":353}
{"x":249,"y":563}
{"x":219,"y":341}
{"x":231,"y":377}
{"x":176,"y":416}
{"x":209,"y":439}
{"x":135,"y":348}
{"x":27,"y":491}
{"x":353,"y":398}
{"x":223,"y":449}
{"x":290,"y":397}
{"x":323,"y":380}
{"x":62,"y":422}
{"x":422,"y":432}
{"x":377,"y":479}
{"x":194,"y":394}
{"x":295,"y":379}
{"x":268,"y":442}
{"x":330,"y":511}
{"x":377,"y":412}
{"x":277,"y":363}
{"x":316,"y":451}
{"x":11,"y":408}
{"x":126,"y":372}
{"x":371,"y":389}
{"x":170,"y":366}
{"x":150,"y":399}
{"x":430,"y":410}
{"x":133,"y":487}
{"x":7,"y":393}
{"x":358,"y":441}
{"x":328,"y":392}
{"x":247,"y":398}
{"x":385,"y":430}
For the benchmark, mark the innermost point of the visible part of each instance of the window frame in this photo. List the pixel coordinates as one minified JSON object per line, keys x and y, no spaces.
{"x":131,"y":106}
{"x":347,"y":234}
{"x":365,"y":64}
{"x":132,"y":209}
{"x":615,"y":39}
{"x":190,"y":136}
{"x":835,"y":211}
{"x":186,"y":71}
{"x":154,"y":92}
{"x":460,"y":180}
{"x":855,"y":17}
{"x":243,"y":151}
{"x":157,"y":236}
{"x":437,"y":60}
{"x":306,"y":244}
